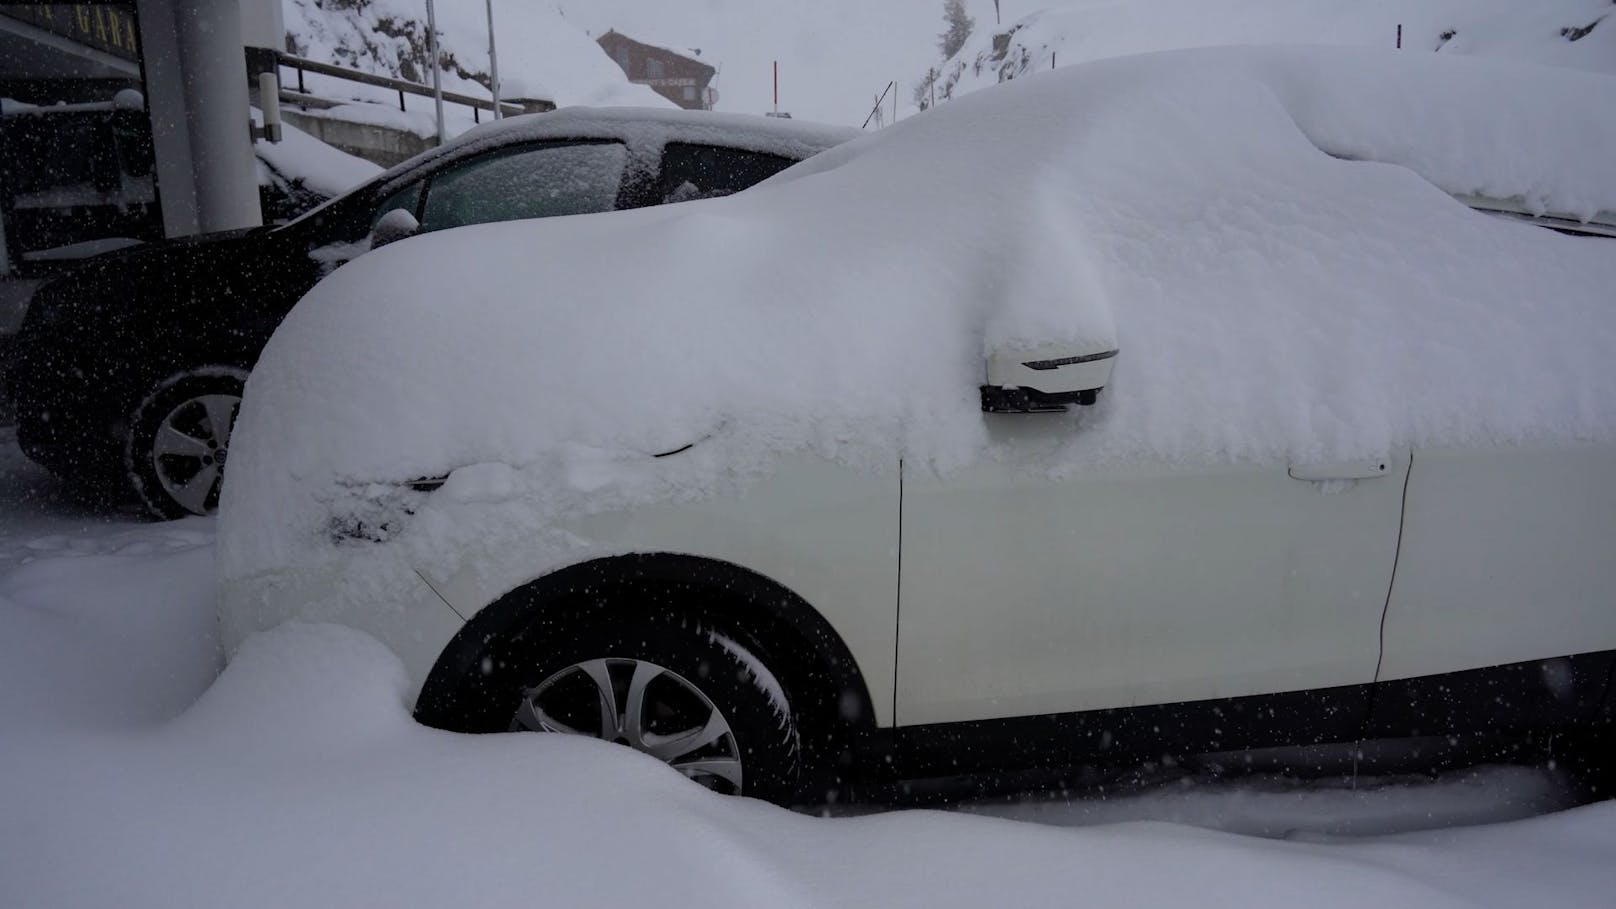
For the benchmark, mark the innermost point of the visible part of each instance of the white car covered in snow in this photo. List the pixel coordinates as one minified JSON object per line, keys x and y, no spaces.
{"x":1168,"y":403}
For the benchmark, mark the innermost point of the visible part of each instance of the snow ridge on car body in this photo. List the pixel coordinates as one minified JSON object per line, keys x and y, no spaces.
{"x":1274,"y":305}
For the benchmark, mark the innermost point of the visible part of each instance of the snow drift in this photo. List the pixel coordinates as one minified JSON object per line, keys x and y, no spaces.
{"x":299,"y":778}
{"x":1271,"y":300}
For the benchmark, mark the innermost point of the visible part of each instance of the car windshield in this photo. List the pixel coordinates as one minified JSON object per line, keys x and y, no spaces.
{"x":945,"y":453}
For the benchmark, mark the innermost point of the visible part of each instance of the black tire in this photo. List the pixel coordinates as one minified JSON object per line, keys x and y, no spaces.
{"x":731,"y":675}
{"x":1588,"y":758}
{"x":187,"y":399}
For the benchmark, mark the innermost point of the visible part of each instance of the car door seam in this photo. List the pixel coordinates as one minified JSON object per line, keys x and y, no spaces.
{"x":1397,"y":555}
{"x":441,"y":598}
{"x":897,"y":610}
{"x":1367,"y":723}
{"x":1385,"y":610}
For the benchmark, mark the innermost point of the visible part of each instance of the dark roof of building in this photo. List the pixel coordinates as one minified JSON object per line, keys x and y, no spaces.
{"x":693,"y":55}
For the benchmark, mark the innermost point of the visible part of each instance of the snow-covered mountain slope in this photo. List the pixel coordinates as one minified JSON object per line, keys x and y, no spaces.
{"x":835,"y":56}
{"x":541,"y":55}
{"x":1568,"y":33}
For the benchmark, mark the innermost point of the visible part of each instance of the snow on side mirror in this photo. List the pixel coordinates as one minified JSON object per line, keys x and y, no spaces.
{"x":1043,"y":378}
{"x":395,"y":225}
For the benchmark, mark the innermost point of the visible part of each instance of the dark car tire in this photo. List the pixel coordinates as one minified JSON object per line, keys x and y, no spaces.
{"x":680,"y":651}
{"x":175,"y":455}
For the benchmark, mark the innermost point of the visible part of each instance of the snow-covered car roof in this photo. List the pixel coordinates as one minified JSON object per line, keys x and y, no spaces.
{"x":1268,"y":236}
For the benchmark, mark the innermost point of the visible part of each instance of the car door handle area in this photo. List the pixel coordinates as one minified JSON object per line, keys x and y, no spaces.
{"x":1342,"y":470}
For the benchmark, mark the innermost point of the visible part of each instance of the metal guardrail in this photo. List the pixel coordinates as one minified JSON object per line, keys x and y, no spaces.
{"x":301,"y":65}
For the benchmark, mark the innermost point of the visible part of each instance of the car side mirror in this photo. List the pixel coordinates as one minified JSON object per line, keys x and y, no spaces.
{"x":1044,"y":378}
{"x":393,"y":226}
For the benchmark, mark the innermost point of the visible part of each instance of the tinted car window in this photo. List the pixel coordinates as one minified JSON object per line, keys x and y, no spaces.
{"x":703,"y":171}
{"x":535,"y":181}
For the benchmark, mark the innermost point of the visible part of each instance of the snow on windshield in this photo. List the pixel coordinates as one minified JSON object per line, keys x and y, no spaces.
{"x":1270,"y":301}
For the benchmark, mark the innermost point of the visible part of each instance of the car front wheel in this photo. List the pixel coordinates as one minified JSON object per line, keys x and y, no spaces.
{"x":179,"y":440}
{"x":669,"y":687}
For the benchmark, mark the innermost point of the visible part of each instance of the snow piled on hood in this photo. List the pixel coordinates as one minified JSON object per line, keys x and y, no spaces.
{"x":1270,"y":301}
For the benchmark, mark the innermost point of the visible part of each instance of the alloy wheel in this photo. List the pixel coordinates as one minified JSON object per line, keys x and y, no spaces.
{"x":190,"y":449}
{"x":644,"y":706}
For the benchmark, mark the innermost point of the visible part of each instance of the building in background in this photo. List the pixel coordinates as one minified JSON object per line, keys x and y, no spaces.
{"x":121,"y":121}
{"x":681,"y":77}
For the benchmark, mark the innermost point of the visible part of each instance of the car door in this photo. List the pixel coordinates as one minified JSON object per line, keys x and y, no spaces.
{"x":1504,"y":611}
{"x":1027,"y":593}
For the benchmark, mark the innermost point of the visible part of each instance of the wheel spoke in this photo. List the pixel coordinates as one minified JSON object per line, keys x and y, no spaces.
{"x":723,"y":768}
{"x":193,"y":493}
{"x":672,"y":748}
{"x":634,"y":706}
{"x":171,"y":441}
{"x":532,"y":717}
{"x":611,"y":725}
{"x":221,"y":415}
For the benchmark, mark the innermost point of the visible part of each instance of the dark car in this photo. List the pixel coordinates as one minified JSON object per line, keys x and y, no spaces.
{"x":130,"y":368}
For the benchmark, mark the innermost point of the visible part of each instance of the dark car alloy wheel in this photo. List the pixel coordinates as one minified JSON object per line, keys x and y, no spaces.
{"x":180,"y":441}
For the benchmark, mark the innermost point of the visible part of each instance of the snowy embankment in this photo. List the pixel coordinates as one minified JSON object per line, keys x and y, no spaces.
{"x":130,"y":778}
{"x":1271,"y":301}
{"x":541,"y":56}
{"x":836,"y":56}
{"x":1577,"y":34}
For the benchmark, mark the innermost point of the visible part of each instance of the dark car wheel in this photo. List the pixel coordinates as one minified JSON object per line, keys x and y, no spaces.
{"x":669,"y":687}
{"x":179,"y":440}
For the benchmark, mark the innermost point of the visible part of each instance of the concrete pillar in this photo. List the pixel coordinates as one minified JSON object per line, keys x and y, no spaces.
{"x":216,"y":111}
{"x":196,"y":90}
{"x":165,"y":101}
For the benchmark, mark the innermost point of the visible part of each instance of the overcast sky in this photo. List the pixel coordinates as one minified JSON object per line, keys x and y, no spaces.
{"x":835,"y":55}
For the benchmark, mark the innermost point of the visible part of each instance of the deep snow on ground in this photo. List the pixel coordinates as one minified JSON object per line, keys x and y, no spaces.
{"x":131,"y":777}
